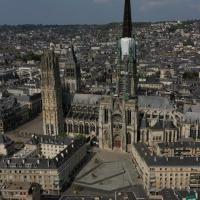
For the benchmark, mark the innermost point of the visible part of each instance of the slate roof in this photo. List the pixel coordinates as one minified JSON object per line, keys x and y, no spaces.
{"x":182,"y":144}
{"x":191,"y":117}
{"x":46,"y":139}
{"x":41,"y":163}
{"x":155,"y":102}
{"x":156,"y":161}
{"x":191,"y":108}
{"x":144,"y":124}
{"x":86,"y":99}
{"x":163,"y":124}
{"x":8,"y":106}
{"x":4,"y":139}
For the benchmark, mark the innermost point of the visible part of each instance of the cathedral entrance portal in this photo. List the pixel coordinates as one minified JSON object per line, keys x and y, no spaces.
{"x":117,"y":130}
{"x":117,"y":142}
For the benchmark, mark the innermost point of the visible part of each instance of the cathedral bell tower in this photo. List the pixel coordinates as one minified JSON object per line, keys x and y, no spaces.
{"x":72,"y":77}
{"x":52,"y":111}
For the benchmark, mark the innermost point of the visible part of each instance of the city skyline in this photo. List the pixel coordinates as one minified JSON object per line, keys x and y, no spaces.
{"x":99,"y":112}
{"x":94,"y":11}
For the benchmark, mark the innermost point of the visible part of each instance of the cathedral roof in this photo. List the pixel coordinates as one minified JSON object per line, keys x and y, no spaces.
{"x":158,"y":126}
{"x":149,"y":102}
{"x":169,"y":124}
{"x":86,"y":99}
{"x":163,"y":124}
{"x":144,"y":124}
{"x":155,"y":102}
{"x":192,"y":117}
{"x":191,"y":108}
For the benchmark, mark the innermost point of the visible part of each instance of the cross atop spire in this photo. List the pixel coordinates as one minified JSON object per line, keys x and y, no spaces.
{"x":127,"y":25}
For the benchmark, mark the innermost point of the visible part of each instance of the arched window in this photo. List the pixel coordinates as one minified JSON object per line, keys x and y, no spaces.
{"x":52,"y":129}
{"x":129,"y":115}
{"x":106,"y":137}
{"x":128,"y":138}
{"x":70,"y":128}
{"x":76,"y":128}
{"x":47,"y":128}
{"x":81,"y":128}
{"x":193,"y":131}
{"x":92,"y":127}
{"x":106,"y":116}
{"x":86,"y":129}
{"x":170,"y":136}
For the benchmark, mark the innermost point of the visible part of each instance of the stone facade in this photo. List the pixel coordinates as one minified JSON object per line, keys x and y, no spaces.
{"x":21,"y":191}
{"x":72,"y":77}
{"x":52,"y":107}
{"x":12,"y":114}
{"x":159,"y":172}
{"x":51,"y":173}
{"x":117,"y":123}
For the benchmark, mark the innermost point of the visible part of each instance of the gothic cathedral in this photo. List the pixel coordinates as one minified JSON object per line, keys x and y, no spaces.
{"x":118,"y":116}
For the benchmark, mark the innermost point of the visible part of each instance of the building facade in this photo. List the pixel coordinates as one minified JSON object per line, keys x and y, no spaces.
{"x":12,"y":114}
{"x":51,"y":173}
{"x":159,"y":172}
{"x":21,"y":191}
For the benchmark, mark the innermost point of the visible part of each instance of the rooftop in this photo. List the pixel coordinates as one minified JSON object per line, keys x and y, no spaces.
{"x":46,"y":139}
{"x":180,"y":144}
{"x":155,"y":102}
{"x":86,"y":99}
{"x":41,"y":163}
{"x":157,"y":161}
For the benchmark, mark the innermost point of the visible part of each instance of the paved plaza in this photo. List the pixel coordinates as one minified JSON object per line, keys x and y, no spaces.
{"x":108,"y":171}
{"x":25,"y":131}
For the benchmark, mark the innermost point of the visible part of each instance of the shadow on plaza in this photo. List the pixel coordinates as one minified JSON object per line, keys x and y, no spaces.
{"x":77,"y":170}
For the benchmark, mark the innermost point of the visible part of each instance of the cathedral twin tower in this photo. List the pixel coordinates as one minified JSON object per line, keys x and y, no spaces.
{"x":117,"y":123}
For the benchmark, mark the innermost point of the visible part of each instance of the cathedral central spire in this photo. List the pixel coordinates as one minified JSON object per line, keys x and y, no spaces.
{"x":127,"y":24}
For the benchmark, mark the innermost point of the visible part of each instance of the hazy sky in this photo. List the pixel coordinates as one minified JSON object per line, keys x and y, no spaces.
{"x":94,"y":11}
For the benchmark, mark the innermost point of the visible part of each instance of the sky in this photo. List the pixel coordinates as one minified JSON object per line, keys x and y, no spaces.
{"x":94,"y":11}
